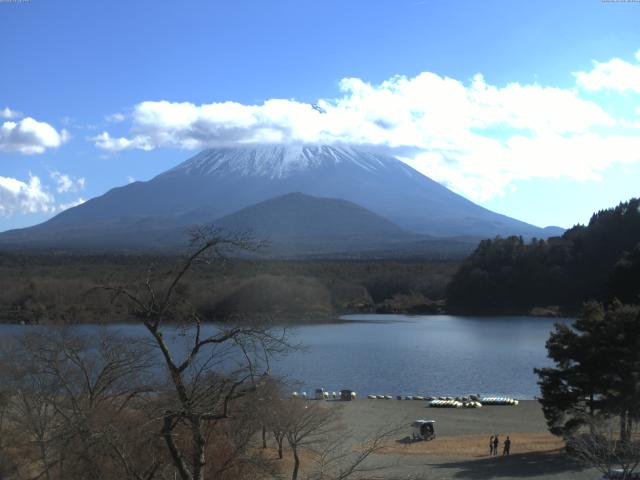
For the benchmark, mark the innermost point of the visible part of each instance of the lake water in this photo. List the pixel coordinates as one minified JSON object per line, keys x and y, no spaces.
{"x":424,"y":355}
{"x":410,"y":355}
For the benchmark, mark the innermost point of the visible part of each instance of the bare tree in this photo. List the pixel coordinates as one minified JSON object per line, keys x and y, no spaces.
{"x":339,"y":459}
{"x":4,"y":407}
{"x":603,"y":448}
{"x":202,"y":386}
{"x":277,"y":422}
{"x":306,"y":425}
{"x":315,"y":428}
{"x":31,"y":415}
{"x":233,"y":442}
{"x":272,"y":410}
{"x":72,"y":400}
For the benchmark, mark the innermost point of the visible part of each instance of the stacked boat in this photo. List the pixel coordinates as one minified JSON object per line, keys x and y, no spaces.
{"x":498,"y":401}
{"x":469,"y":401}
{"x":445,"y":404}
{"x":454,"y":403}
{"x":397,"y":397}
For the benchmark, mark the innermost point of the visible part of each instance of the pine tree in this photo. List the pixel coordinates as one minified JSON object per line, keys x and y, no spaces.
{"x":597,"y":371}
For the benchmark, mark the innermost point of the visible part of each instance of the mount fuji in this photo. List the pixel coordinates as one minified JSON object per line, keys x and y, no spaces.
{"x":222,"y":181}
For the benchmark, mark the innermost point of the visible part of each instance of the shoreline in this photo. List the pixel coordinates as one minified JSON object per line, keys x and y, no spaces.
{"x":338,"y":318}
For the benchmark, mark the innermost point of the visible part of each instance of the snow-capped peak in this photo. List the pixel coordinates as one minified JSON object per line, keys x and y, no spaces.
{"x":278,"y":161}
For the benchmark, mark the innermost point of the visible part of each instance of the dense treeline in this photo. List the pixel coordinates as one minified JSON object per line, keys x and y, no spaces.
{"x":599,"y":261}
{"x":60,"y":288}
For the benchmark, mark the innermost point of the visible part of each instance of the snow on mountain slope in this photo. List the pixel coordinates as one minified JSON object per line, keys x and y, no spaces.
{"x":221,"y":181}
{"x":279,"y":161}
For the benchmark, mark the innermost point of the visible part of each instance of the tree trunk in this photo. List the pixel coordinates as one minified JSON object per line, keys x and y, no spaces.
{"x":591,"y":414}
{"x":280,"y":440}
{"x":199,"y":445}
{"x":296,"y":464}
{"x":176,"y":456}
{"x":61,"y":465}
{"x":44,"y":458}
{"x":2,"y":425}
{"x":624,"y":431}
{"x":264,"y":436}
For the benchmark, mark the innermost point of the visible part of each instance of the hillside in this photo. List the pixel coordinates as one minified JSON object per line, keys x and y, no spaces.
{"x":300,"y":217}
{"x":599,"y":261}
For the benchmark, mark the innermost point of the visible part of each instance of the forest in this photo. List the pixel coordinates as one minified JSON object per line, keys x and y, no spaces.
{"x":599,"y":261}
{"x":67,"y":289}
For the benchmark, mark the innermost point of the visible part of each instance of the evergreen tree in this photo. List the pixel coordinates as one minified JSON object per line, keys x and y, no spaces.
{"x":597,"y":370}
{"x":625,"y":279}
{"x":600,"y":261}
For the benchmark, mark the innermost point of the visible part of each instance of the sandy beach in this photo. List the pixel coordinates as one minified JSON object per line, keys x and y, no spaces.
{"x":460,"y":449}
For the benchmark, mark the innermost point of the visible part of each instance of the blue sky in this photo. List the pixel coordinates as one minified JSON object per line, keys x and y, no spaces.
{"x":529,"y":108}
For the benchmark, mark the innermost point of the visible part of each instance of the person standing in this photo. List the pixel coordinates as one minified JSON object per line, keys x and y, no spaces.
{"x":491,"y":445}
{"x":495,"y":444}
{"x":507,"y":446}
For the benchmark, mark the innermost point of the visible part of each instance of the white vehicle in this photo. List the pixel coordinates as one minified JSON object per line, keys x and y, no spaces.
{"x":423,"y":429}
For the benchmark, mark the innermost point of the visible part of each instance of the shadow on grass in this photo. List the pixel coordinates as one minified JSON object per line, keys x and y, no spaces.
{"x":410,"y":440}
{"x":518,"y":465}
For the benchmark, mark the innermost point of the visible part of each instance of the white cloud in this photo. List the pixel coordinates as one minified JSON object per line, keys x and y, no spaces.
{"x":28,"y":136}
{"x":106,"y":142}
{"x":486,"y":171}
{"x":130,"y":179}
{"x":20,"y":197}
{"x":615,"y":74}
{"x":475,"y":137}
{"x":401,"y":111}
{"x":9,"y":114}
{"x":65,"y":183}
{"x":75,"y":203}
{"x":115,"y":118}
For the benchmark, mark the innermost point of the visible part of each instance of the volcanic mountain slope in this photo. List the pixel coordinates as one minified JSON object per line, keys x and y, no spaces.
{"x":299,"y":225}
{"x":221,"y":181}
{"x":300,"y":217}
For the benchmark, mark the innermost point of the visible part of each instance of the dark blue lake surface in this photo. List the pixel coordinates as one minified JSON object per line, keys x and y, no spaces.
{"x":423,"y":355}
{"x":410,"y":355}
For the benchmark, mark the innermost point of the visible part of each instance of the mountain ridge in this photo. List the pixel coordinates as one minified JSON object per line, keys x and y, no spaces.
{"x":218,"y":182}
